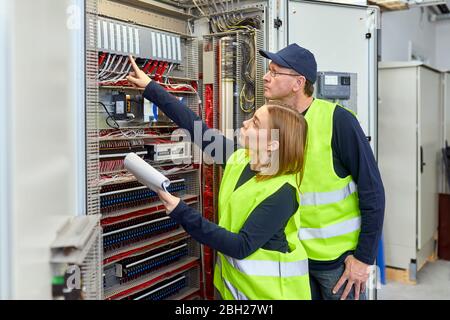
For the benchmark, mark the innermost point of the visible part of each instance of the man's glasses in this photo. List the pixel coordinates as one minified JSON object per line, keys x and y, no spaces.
{"x":274,"y":74}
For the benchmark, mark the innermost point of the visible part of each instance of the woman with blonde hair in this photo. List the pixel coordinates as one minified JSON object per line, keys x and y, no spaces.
{"x":259,"y":253}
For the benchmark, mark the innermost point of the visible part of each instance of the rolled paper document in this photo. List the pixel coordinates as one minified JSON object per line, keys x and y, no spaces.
{"x":145,"y":173}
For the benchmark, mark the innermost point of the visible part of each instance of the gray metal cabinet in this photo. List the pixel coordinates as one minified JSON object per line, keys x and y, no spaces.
{"x":409,"y":134}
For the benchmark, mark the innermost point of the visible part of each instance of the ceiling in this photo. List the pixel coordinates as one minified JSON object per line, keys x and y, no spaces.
{"x":438,"y":7}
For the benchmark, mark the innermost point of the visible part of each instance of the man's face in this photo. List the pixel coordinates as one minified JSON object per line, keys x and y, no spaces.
{"x":282,"y":85}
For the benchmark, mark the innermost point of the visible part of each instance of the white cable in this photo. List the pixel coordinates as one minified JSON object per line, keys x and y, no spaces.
{"x":106,"y":67}
{"x":102,"y":67}
{"x":122,"y":76}
{"x":169,"y":70}
{"x":208,"y":7}
{"x":113,"y":71}
{"x":199,"y":9}
{"x":174,"y":170}
{"x":178,"y":86}
{"x":122,"y":71}
{"x":223,"y":6}
{"x":119,"y":73}
{"x":215,"y":6}
{"x":190,"y":28}
{"x":105,"y":64}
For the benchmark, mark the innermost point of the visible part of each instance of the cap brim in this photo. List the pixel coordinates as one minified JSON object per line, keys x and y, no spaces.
{"x":275,"y":58}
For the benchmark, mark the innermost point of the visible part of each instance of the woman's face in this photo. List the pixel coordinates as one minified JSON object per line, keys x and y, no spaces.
{"x":255,"y":133}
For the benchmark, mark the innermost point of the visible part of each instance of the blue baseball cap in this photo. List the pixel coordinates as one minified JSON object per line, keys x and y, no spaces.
{"x":296,"y":58}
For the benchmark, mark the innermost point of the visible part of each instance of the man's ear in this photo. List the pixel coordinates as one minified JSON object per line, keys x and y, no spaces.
{"x":298,"y":84}
{"x":274,"y":145}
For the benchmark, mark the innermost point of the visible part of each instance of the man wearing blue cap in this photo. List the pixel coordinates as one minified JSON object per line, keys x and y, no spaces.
{"x":342,"y":201}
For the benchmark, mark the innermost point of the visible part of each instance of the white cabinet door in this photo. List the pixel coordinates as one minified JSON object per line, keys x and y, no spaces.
{"x":336,"y":34}
{"x":397,"y":162}
{"x":429,"y":153}
{"x":45,"y":140}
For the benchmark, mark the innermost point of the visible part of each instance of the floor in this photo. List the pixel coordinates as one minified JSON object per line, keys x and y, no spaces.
{"x":433,"y":283}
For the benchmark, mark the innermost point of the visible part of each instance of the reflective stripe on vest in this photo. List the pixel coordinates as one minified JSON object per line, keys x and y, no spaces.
{"x":334,"y":230}
{"x":237,"y":295}
{"x":320,"y":198}
{"x":269,"y":268}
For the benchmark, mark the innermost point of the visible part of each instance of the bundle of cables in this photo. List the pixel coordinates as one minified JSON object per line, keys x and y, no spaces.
{"x":247,"y":94}
{"x":223,"y":23}
{"x":224,"y":16}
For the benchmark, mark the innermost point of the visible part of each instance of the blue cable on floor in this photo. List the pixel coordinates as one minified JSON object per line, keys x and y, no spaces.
{"x":380,"y":261}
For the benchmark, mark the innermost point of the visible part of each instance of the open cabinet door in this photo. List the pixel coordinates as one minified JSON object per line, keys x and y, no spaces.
{"x":343,"y":38}
{"x":5,"y":215}
{"x":429,"y":159}
{"x":42,"y":138}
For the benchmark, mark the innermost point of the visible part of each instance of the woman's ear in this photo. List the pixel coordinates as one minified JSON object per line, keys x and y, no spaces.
{"x":274,"y":145}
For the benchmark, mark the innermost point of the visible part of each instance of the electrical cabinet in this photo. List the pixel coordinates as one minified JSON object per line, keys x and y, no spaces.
{"x":147,"y":255}
{"x":409,"y":159}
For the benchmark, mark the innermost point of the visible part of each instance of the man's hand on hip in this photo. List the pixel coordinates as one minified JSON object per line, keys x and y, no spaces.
{"x":356,"y":274}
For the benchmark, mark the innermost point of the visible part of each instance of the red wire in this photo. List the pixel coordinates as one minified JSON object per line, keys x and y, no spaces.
{"x":208,"y":198}
{"x":159,"y":72}
{"x":101,"y":59}
{"x":153,"y":67}
{"x":147,"y":66}
{"x":208,"y":105}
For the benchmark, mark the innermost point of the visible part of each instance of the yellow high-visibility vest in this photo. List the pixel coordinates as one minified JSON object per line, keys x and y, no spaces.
{"x":265,"y":274}
{"x":330,"y":219}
